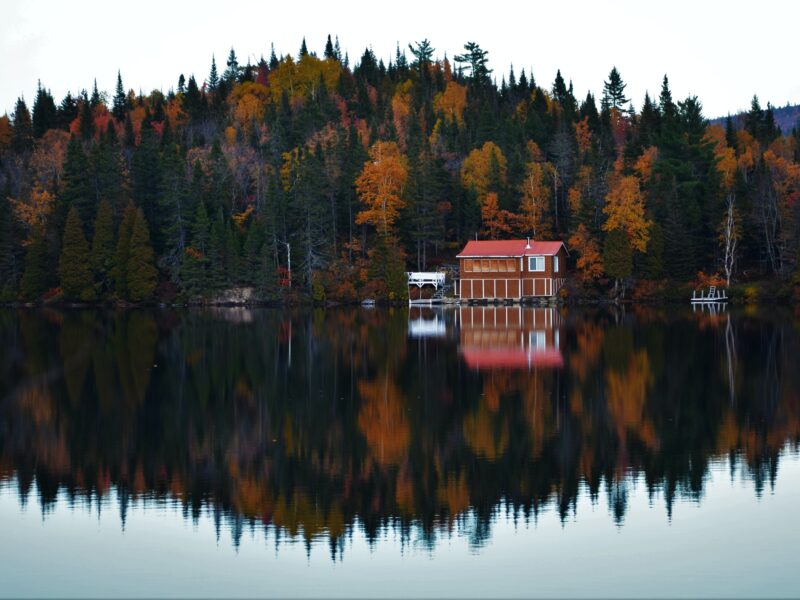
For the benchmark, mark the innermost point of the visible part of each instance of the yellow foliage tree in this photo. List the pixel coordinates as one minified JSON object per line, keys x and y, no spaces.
{"x":303,"y":77}
{"x":476,"y":170}
{"x":34,"y":211}
{"x":625,"y":210}
{"x":452,"y":102}
{"x":380,"y":186}
{"x":533,"y":219}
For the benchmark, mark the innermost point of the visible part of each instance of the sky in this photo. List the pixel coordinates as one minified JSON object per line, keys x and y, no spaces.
{"x":723,"y":52}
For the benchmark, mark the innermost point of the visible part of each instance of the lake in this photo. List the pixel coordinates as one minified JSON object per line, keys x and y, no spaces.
{"x":460,"y":452}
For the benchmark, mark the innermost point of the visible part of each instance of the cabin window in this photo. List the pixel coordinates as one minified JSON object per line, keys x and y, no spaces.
{"x":555,"y":264}
{"x":476,"y":266}
{"x":485,"y":265}
{"x":468,"y":265}
{"x":501,"y":265}
{"x":536,"y":264}
{"x":494,"y":266}
{"x":510,"y":265}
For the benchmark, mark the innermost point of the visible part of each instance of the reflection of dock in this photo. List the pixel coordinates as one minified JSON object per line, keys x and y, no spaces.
{"x":426,"y":323}
{"x":512,"y":337}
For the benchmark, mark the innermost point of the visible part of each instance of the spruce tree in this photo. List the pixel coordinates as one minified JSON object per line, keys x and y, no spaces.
{"x":119,"y":269}
{"x":329,"y":52}
{"x":34,"y":278}
{"x":231,"y":75}
{"x":86,"y":129}
{"x":45,"y":114}
{"x":213,"y":76}
{"x":22,"y":128}
{"x":8,"y":267}
{"x":120,"y":105}
{"x":74,"y":270}
{"x":617,"y":256}
{"x":614,"y":90}
{"x":76,"y":185}
{"x":103,"y":248}
{"x":141,"y":273}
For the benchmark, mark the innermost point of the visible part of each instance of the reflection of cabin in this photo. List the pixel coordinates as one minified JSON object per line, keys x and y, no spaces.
{"x":512,"y":337}
{"x":510,"y":269}
{"x":426,"y":323}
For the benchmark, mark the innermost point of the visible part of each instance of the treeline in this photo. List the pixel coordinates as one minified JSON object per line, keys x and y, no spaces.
{"x":338,"y":179}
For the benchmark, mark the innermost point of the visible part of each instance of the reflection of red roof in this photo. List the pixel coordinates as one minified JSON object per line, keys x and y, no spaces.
{"x":500,"y":248}
{"x":511,"y":358}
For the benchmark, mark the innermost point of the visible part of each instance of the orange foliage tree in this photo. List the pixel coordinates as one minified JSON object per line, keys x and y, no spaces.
{"x":451,"y":102}
{"x":589,"y":262}
{"x":476,"y":172}
{"x":625,"y":210}
{"x":380,"y":186}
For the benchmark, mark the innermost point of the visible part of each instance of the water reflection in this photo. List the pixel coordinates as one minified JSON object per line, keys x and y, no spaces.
{"x":309,"y":424}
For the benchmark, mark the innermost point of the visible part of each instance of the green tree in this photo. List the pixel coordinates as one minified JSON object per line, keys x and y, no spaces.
{"x":119,"y":269}
{"x":103,"y":248}
{"x":45,"y":114}
{"x":120,"y":105}
{"x":34,"y":278}
{"x":617,"y":256}
{"x":614,"y":90}
{"x":141,"y":273}
{"x":22,"y":128}
{"x":74,"y":267}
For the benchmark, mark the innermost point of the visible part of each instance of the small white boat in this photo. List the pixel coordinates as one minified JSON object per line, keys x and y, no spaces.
{"x":368,"y":303}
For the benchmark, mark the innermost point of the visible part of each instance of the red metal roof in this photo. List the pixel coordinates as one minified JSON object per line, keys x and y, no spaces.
{"x":500,"y":248}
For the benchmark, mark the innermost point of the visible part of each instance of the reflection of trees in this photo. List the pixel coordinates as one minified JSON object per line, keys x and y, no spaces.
{"x":310,"y":423}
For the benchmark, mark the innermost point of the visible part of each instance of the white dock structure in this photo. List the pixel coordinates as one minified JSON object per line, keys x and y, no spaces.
{"x":714,"y":296}
{"x":423,"y":278}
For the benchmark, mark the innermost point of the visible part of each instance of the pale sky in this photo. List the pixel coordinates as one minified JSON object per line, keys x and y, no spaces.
{"x":723,"y":52}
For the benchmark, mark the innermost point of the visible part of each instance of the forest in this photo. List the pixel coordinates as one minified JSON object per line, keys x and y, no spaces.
{"x":303,"y":177}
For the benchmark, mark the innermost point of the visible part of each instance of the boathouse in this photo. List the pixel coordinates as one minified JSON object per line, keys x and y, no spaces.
{"x":511,"y":269}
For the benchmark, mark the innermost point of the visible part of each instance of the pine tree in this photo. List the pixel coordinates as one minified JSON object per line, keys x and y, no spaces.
{"x":8,"y":267}
{"x":119,"y":269}
{"x":22,"y":128}
{"x":614,"y":90}
{"x":120,"y":105}
{"x":74,"y":269}
{"x":67,"y":111}
{"x":146,"y":173}
{"x":213,"y":76}
{"x":87,"y":120}
{"x":34,"y":278}
{"x":96,"y":99}
{"x":303,"y":50}
{"x":329,"y":51}
{"x":141,"y":271}
{"x":217,"y":278}
{"x":617,"y":256}
{"x":103,"y":248}
{"x":231,"y":75}
{"x":45,"y":114}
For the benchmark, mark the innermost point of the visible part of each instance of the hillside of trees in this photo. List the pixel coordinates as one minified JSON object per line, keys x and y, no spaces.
{"x":363,"y":171}
{"x":786,"y":117}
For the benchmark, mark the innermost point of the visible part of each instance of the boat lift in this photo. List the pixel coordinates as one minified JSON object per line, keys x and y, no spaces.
{"x":423,"y":278}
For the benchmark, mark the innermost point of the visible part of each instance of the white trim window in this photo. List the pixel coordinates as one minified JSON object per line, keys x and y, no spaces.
{"x":536,"y":264}
{"x":555,"y":264}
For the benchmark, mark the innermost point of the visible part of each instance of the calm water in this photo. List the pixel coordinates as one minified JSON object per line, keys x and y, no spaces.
{"x":364,"y":452}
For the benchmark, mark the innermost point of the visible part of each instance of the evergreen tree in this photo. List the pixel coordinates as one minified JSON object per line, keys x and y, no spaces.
{"x":614,"y":90}
{"x":119,"y":269}
{"x":102,"y":259}
{"x":146,"y":174}
{"x":76,"y":190}
{"x":87,"y":120}
{"x":329,"y":51}
{"x":8,"y":266}
{"x":217,"y":277}
{"x":231,"y":75}
{"x":303,"y":50}
{"x":74,"y":265}
{"x":213,"y":76}
{"x":45,"y":114}
{"x":22,"y":128}
{"x":96,"y":99}
{"x":67,"y":111}
{"x":617,"y":256}
{"x":120,"y":105}
{"x":34,"y":277}
{"x":141,"y":271}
